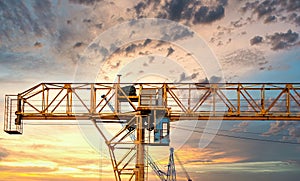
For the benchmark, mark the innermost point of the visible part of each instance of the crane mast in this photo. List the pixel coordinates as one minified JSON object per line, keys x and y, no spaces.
{"x":146,"y":111}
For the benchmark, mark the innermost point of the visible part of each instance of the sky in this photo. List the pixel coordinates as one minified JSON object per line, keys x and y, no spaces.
{"x":94,"y":40}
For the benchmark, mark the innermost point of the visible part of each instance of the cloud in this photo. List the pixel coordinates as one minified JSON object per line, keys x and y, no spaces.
{"x":19,"y":19}
{"x":38,"y":44}
{"x":249,"y":6}
{"x":207,"y":15}
{"x":241,"y":127}
{"x":131,"y":48}
{"x":85,"y":2}
{"x":292,"y":5}
{"x":264,"y":8}
{"x":239,"y":23}
{"x":256,"y":40}
{"x":78,"y":44}
{"x":151,"y":59}
{"x":244,"y":58}
{"x":87,"y":20}
{"x":270,"y":8}
{"x":104,"y":52}
{"x":176,"y":7}
{"x":147,"y":41}
{"x":176,"y":33}
{"x":190,"y":11}
{"x":170,"y":51}
{"x":139,"y":8}
{"x":197,"y":161}
{"x":28,"y":169}
{"x":270,"y":19}
{"x":277,"y":127}
{"x":215,"y":79}
{"x":294,"y":162}
{"x":261,"y":8}
{"x":294,"y":132}
{"x":184,"y":77}
{"x":283,"y":40}
{"x":297,"y":20}
{"x":3,"y":153}
{"x":278,"y":41}
{"x":223,"y":2}
{"x":116,"y":65}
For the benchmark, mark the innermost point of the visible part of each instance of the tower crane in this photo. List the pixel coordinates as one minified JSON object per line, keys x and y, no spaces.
{"x":146,"y":110}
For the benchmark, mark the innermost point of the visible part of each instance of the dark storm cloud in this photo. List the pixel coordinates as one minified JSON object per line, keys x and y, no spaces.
{"x":265,"y":8}
{"x":147,"y":41}
{"x":297,"y":20}
{"x":292,"y":5}
{"x":249,"y":6}
{"x":193,"y":11}
{"x":277,"y":40}
{"x":223,"y":2}
{"x":176,"y":7}
{"x":78,"y":44}
{"x":256,"y":40}
{"x":139,"y":8}
{"x":270,"y":19}
{"x":38,"y":44}
{"x":283,"y":40}
{"x":85,"y":2}
{"x":131,"y":48}
{"x":294,"y":17}
{"x":207,"y":15}
{"x":270,"y":8}
{"x":261,"y":8}
{"x":170,"y":51}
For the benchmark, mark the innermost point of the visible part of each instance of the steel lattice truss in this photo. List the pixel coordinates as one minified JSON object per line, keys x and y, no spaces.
{"x":234,"y":101}
{"x":131,"y":105}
